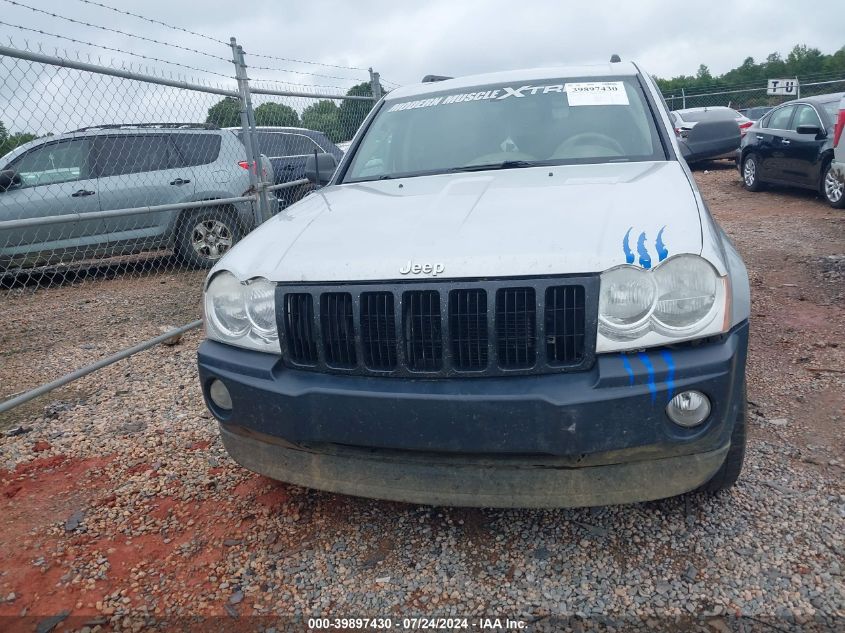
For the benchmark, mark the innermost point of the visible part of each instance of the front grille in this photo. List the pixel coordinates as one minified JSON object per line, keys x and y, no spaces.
{"x":436,"y":329}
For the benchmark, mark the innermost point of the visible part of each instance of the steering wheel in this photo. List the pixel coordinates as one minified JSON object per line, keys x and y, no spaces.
{"x":590,"y":138}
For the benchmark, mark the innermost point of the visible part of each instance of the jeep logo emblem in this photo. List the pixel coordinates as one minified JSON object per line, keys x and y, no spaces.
{"x":427,"y":269}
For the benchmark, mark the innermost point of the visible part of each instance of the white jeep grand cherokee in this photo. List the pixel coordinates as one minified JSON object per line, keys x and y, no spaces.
{"x":509,"y":294}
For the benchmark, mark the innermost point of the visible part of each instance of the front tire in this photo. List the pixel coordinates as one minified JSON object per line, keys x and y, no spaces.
{"x":751,"y":173}
{"x":833,"y":188}
{"x":729,"y":471}
{"x":206,"y":235}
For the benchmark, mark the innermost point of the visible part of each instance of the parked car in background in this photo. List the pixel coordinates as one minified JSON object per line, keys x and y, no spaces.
{"x":685,"y":120}
{"x":124,"y":167}
{"x":839,"y":143}
{"x":756,"y":113}
{"x":344,"y":146}
{"x":794,"y":145}
{"x":287,"y":149}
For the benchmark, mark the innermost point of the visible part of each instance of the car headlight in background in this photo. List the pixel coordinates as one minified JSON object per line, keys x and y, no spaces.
{"x":682,"y":298}
{"x":242,"y":313}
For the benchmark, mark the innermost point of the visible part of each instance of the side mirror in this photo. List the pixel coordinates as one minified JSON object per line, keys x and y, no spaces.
{"x":9,"y":178}
{"x":815,"y":130}
{"x":319,"y":168}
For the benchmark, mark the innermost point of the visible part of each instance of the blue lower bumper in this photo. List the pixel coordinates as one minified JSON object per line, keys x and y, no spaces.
{"x":613,"y":413}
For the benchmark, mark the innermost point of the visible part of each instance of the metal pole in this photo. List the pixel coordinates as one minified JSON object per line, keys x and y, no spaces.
{"x":683,"y":99}
{"x":246,"y":129}
{"x":263,"y":201}
{"x":103,"y":362}
{"x":7,"y":51}
{"x":797,"y":88}
{"x":375,"y":85}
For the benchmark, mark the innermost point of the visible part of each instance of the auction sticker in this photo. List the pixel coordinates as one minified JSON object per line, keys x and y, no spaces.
{"x":591,"y":93}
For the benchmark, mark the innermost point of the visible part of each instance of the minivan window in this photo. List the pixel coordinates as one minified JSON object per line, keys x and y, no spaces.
{"x":126,"y":154}
{"x":197,"y":149}
{"x":547,"y":122}
{"x":51,"y":163}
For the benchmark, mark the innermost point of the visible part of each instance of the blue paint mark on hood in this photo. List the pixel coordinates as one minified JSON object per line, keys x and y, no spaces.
{"x":645,"y":258}
{"x":660,"y":246}
{"x":626,"y":247}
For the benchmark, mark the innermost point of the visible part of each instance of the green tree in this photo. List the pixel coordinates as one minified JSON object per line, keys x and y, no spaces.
{"x":354,"y":111}
{"x":3,"y":133}
{"x":225,"y":113}
{"x":8,"y":141}
{"x":323,"y":117}
{"x":276,"y":114}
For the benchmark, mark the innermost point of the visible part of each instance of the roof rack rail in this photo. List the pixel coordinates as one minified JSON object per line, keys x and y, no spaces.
{"x":145,"y":126}
{"x":432,"y":78}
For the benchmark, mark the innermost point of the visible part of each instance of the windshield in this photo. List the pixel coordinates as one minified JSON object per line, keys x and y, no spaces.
{"x":500,"y":126}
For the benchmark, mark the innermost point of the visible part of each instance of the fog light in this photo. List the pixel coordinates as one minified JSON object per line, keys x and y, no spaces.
{"x":219,"y":395}
{"x":688,"y":408}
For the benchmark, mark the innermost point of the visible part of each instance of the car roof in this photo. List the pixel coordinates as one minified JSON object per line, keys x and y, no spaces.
{"x":704,"y":109}
{"x":277,"y":128}
{"x":832,"y":96}
{"x":614,"y":69}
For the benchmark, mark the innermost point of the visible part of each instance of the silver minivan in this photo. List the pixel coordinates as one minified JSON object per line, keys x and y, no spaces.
{"x":124,"y":167}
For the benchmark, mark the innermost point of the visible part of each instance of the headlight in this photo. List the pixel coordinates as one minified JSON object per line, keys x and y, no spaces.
{"x":627,"y":299}
{"x":688,"y":287}
{"x":242,"y":314}
{"x":682,"y":298}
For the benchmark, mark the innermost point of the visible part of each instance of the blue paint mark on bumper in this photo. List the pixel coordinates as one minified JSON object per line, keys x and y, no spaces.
{"x":670,"y":372}
{"x":652,"y":387}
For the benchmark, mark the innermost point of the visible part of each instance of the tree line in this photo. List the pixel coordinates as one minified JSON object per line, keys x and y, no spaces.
{"x":802,"y":61}
{"x":9,"y":141}
{"x":338,"y":122}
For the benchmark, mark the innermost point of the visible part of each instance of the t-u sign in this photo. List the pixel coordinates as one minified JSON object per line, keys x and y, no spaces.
{"x":788,"y":87}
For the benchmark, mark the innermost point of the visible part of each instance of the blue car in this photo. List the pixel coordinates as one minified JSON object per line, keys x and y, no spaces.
{"x":288,"y":148}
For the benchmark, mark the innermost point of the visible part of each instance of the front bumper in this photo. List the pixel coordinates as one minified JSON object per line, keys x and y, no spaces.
{"x":590,"y":438}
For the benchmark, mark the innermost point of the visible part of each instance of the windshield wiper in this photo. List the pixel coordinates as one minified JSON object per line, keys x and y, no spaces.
{"x":508,"y":164}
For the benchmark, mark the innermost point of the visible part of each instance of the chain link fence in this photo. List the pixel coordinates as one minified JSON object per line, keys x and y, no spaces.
{"x":743,"y":98}
{"x":120,"y":188}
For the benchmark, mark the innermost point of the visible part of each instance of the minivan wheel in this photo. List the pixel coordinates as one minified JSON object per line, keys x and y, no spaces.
{"x":205,"y":236}
{"x":833,"y":188}
{"x":751,"y":173}
{"x":728,"y":473}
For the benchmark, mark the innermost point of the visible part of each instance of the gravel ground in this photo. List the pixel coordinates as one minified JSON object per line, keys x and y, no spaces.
{"x":120,"y":508}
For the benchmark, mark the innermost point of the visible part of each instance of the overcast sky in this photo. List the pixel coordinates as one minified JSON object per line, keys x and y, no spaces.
{"x":405,"y":40}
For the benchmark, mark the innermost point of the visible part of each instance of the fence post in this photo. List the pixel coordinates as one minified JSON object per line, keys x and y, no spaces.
{"x":375,"y":86}
{"x":683,"y":99}
{"x":262,"y":209}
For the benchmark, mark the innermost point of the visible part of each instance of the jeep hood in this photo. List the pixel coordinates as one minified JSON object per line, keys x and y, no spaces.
{"x":517,"y":222}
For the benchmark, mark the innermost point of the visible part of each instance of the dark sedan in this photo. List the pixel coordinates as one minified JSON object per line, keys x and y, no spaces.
{"x":288,"y":148}
{"x":793,"y":145}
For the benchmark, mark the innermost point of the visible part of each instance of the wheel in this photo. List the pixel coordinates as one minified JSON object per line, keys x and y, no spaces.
{"x":205,"y":236}
{"x":729,"y":471}
{"x":751,"y":173}
{"x":833,"y":188}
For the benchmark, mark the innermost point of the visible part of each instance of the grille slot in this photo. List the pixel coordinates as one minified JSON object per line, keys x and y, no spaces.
{"x":422,"y":330}
{"x":433,"y":329}
{"x":516,"y":327}
{"x":378,"y":330}
{"x":337,"y":329}
{"x":299,"y":328}
{"x":468,"y":329}
{"x":564,"y":321}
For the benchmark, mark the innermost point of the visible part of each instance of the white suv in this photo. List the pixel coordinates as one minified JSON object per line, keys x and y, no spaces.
{"x":509,"y":294}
